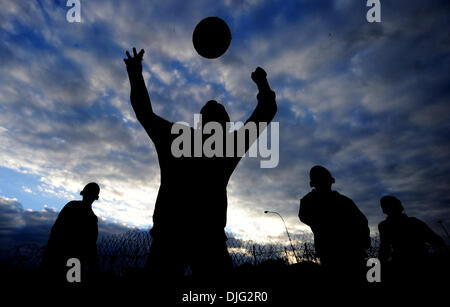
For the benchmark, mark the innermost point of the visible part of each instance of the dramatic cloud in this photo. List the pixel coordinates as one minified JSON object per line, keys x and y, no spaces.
{"x":368,"y":101}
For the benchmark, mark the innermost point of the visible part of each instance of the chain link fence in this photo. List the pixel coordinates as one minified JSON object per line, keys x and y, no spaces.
{"x":120,"y":253}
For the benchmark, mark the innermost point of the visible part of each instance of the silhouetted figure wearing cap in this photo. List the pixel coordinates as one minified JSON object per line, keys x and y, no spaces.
{"x":191,"y":208}
{"x":341,"y":232}
{"x":404,"y":243}
{"x":74,"y":235}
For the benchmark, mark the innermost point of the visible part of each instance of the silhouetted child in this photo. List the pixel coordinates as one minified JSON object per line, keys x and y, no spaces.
{"x":191,"y":208}
{"x":74,"y":235}
{"x":341,"y":232}
{"x":404,"y":242}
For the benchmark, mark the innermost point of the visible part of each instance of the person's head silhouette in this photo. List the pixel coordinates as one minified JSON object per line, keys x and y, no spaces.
{"x":391,"y":205}
{"x":320,"y":179}
{"x":90,"y":193}
{"x":213,"y":111}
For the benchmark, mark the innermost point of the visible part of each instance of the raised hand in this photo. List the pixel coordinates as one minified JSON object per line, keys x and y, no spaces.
{"x":259,"y":76}
{"x":134,"y":64}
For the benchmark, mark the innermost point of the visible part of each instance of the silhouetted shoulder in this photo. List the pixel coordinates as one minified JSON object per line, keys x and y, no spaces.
{"x":72,"y":204}
{"x":416,"y":224}
{"x":308,"y":198}
{"x":69,"y":208}
{"x":416,"y":221}
{"x":382,"y":224}
{"x":347,"y":202}
{"x":157,"y":127}
{"x":343,"y":198}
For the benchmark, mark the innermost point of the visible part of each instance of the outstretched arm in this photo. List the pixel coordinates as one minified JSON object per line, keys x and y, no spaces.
{"x":264,"y":111}
{"x":140,"y":100}
{"x":267,"y":106}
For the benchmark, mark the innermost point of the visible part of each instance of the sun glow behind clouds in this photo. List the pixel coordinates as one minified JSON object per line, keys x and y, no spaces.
{"x":119,"y":201}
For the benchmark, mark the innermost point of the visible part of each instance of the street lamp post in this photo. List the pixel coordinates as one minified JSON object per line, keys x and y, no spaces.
{"x":287,"y":232}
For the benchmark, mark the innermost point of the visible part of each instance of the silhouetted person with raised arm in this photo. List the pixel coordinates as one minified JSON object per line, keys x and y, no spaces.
{"x":191,"y":208}
{"x":404,"y":242}
{"x":341,"y":232}
{"x":74,"y":235}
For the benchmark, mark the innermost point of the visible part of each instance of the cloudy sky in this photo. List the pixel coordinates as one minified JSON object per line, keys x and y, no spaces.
{"x":370,"y":101}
